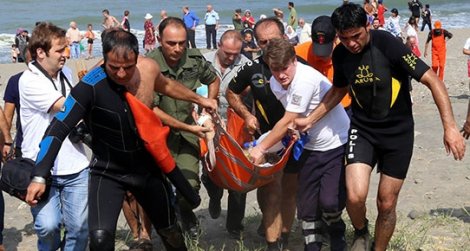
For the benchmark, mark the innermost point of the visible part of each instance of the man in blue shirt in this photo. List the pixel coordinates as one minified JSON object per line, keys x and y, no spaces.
{"x":190,"y":21}
{"x":212,"y":24}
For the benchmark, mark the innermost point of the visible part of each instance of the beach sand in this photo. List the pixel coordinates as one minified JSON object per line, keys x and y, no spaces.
{"x":436,"y":185}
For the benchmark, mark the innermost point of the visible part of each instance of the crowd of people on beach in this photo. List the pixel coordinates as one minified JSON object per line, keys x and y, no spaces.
{"x":340,"y":86}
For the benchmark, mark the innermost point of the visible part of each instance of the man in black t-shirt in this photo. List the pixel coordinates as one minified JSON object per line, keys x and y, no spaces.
{"x":375,"y":67}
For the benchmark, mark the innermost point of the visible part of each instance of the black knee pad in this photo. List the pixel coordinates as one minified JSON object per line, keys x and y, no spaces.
{"x":101,"y":240}
{"x":172,"y":238}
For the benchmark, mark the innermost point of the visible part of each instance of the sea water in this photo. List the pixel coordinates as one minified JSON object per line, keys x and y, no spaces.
{"x":25,"y":13}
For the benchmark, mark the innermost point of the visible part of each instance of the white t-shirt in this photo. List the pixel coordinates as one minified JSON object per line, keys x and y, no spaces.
{"x":302,"y":96}
{"x":37,"y":96}
{"x":467,"y":46}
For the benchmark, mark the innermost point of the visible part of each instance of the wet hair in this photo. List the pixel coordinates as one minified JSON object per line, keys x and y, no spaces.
{"x":264,"y":22}
{"x":126,"y":13}
{"x":42,"y":37}
{"x":349,"y":16}
{"x":175,"y":21}
{"x":105,"y":11}
{"x":120,"y":42}
{"x":278,"y":53}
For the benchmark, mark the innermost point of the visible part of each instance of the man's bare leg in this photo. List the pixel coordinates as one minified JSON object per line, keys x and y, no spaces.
{"x":357,"y":188}
{"x":269,"y":198}
{"x":129,"y":210}
{"x":387,"y":198}
{"x":135,"y":215}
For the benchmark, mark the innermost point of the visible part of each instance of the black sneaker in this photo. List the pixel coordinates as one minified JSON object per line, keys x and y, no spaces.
{"x":235,"y":234}
{"x":214,"y":209}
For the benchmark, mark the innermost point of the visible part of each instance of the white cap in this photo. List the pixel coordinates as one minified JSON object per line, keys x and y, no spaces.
{"x":148,"y":16}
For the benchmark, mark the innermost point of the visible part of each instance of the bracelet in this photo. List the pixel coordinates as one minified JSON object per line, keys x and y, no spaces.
{"x":38,"y":179}
{"x":8,"y":143}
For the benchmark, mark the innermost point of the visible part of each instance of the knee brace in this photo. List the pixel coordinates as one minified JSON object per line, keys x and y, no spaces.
{"x":101,"y":240}
{"x":172,"y":238}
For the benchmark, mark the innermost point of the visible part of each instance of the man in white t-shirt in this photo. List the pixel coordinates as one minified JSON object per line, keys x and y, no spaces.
{"x":42,"y":90}
{"x":321,"y":196}
{"x":466,"y":126}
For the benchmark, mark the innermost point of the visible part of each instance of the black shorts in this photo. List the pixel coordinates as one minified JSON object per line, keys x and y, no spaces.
{"x":391,"y":153}
{"x":90,"y":41}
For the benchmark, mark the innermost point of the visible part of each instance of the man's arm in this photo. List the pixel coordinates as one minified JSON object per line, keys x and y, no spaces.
{"x":179,"y":125}
{"x":235,"y":101}
{"x":277,"y":133}
{"x":213,"y":89}
{"x":331,"y":99}
{"x":9,"y":113}
{"x":466,"y":51}
{"x":173,"y":88}
{"x":57,"y":106}
{"x":5,"y":126}
{"x":453,"y":141}
{"x":466,"y":126}
{"x":427,"y":44}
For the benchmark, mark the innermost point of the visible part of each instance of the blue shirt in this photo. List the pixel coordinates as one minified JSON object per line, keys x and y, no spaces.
{"x":12,"y":95}
{"x":211,"y":18}
{"x":190,"y":20}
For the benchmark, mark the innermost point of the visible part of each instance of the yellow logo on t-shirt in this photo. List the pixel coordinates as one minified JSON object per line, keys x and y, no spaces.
{"x":365,"y":76}
{"x":410,"y":59}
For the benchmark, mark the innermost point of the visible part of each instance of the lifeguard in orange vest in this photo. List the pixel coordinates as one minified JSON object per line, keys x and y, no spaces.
{"x":438,"y":37}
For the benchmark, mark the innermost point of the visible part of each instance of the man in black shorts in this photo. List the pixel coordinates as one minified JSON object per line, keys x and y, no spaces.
{"x":120,"y":161}
{"x":375,"y":68}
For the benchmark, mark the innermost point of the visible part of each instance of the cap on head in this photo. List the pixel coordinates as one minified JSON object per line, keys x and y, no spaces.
{"x":148,"y":16}
{"x":323,"y":36}
{"x":248,"y":10}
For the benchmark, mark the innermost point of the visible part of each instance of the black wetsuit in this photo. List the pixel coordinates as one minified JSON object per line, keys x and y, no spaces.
{"x":382,"y":123}
{"x":120,"y":162}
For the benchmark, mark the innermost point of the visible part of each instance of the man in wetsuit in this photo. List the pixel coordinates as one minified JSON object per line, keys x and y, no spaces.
{"x":375,"y":67}
{"x":276,"y":199}
{"x":190,"y":68}
{"x":120,"y":162}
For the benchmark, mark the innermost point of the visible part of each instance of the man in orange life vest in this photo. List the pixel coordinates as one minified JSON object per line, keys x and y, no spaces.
{"x":318,"y":51}
{"x":438,"y":37}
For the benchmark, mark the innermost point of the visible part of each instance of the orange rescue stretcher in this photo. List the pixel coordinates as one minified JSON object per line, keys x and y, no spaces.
{"x":226,"y":163}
